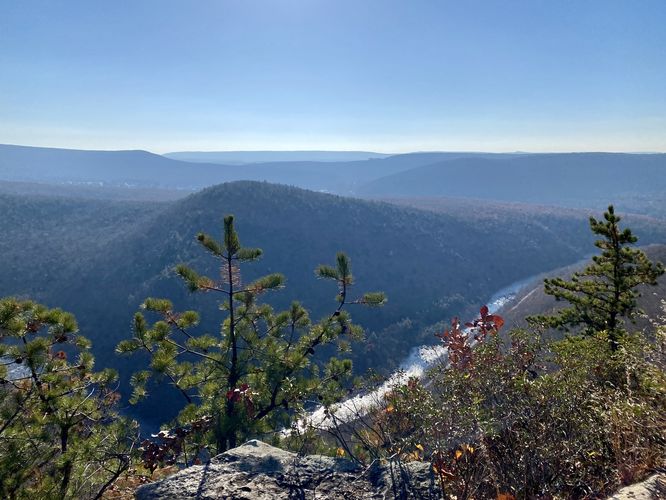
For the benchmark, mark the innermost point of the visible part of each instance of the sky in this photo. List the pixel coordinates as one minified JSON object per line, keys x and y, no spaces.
{"x":374,"y":75}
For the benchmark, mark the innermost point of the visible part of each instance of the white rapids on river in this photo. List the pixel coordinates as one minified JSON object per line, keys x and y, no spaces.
{"x":418,"y":361}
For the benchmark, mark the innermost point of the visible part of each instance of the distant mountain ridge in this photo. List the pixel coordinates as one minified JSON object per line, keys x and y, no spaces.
{"x":241,"y":157}
{"x":129,"y":168}
{"x":141,"y":169}
{"x":583,"y":180}
{"x":540,"y":178}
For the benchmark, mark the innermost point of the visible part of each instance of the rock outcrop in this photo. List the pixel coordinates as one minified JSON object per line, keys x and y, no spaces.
{"x":653,"y":488}
{"x":258,"y":471}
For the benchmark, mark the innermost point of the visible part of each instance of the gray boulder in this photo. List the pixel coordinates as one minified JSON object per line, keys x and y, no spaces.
{"x":258,"y":471}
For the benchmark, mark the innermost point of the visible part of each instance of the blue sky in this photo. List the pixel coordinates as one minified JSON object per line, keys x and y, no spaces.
{"x":382,"y":75}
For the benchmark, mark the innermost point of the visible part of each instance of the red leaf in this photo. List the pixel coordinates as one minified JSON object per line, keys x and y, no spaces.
{"x":499,"y":321}
{"x":484,"y":311}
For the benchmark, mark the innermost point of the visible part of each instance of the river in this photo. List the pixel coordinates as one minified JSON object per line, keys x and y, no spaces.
{"x":414,"y":365}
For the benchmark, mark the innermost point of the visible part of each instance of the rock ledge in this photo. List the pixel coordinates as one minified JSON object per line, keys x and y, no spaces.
{"x":256,"y":470}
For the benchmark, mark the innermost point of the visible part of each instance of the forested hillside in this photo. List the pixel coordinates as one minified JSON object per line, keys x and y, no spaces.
{"x":532,"y":300}
{"x":100,"y":259}
{"x":48,"y":241}
{"x":574,"y":179}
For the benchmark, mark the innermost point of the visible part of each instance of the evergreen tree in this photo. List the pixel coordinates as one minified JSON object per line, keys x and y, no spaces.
{"x":60,"y":436}
{"x":604,"y":294}
{"x":258,"y":373}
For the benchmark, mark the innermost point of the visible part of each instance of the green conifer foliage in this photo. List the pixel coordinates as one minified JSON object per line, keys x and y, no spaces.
{"x":60,"y":436}
{"x":604,"y":294}
{"x":258,"y":372}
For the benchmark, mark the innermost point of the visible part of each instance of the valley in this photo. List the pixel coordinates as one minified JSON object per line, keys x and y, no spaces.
{"x":99,"y":250}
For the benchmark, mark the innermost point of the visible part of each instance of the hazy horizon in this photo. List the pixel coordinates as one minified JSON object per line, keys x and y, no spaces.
{"x":371,"y":151}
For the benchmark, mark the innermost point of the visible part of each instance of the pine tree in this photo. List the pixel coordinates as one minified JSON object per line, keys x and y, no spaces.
{"x":259,"y":372}
{"x":604,"y":294}
{"x":60,"y":435}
